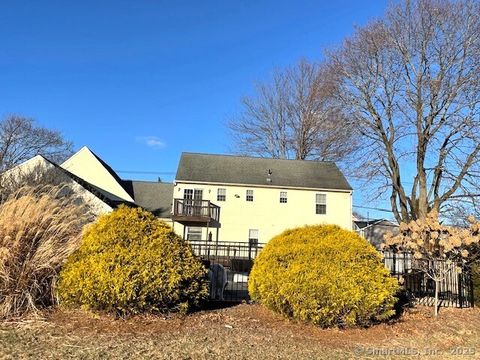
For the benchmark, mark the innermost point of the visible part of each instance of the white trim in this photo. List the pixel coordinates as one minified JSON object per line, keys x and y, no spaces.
{"x":176,"y":182}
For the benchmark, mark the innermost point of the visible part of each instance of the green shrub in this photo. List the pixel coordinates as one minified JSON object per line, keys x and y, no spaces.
{"x":324,"y":275}
{"x":129,"y":262}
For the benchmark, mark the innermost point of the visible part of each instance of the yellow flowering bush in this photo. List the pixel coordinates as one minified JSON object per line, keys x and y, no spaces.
{"x":325,"y":275}
{"x":129,"y":262}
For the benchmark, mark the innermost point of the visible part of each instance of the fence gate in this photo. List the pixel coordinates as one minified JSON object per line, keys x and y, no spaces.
{"x":229,"y":265}
{"x":456,"y":289}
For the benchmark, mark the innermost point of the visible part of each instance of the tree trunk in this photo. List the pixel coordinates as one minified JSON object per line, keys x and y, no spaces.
{"x":437,"y":284}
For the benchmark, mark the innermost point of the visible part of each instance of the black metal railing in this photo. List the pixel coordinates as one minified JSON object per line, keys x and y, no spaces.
{"x":455,"y":289}
{"x":196,"y":209}
{"x":229,"y":264}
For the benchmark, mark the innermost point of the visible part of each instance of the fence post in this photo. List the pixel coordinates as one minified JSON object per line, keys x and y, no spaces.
{"x":460,"y":289}
{"x":470,"y":278}
{"x":394,"y":267}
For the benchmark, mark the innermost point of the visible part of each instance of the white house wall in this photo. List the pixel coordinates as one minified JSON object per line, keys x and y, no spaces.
{"x":38,"y":164}
{"x":86,"y":166}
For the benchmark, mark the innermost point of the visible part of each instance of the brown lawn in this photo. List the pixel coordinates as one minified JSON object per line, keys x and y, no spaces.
{"x":240,"y":332}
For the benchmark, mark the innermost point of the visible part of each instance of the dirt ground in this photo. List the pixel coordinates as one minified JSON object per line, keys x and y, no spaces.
{"x":239,"y":332}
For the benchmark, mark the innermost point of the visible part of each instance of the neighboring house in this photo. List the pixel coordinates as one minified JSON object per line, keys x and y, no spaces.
{"x":39,"y":169}
{"x":246,"y":199}
{"x":89,"y":167}
{"x":98,"y":184}
{"x":375,"y":230}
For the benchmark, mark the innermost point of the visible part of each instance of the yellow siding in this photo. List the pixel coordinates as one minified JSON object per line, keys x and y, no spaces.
{"x":266,"y":213}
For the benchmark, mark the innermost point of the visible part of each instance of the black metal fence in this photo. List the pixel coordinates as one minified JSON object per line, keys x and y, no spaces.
{"x":229,"y":264}
{"x":455,"y":289}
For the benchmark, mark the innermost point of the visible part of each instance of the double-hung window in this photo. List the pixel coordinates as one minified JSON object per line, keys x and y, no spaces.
{"x":283,"y":197}
{"x":321,"y":204}
{"x":221,"y":194}
{"x":249,"y":195}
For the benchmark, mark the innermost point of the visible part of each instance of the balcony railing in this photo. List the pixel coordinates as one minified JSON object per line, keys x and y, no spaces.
{"x":195,"y":210}
{"x":225,"y":249}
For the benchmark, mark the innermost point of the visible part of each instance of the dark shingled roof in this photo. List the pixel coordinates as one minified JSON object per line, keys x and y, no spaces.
{"x":152,"y":196}
{"x":229,"y":169}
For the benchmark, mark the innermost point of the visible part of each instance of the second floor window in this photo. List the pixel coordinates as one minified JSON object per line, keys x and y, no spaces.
{"x":221,"y":194}
{"x":249,"y":195}
{"x":321,"y":204}
{"x":283,"y":197}
{"x":188,"y":194}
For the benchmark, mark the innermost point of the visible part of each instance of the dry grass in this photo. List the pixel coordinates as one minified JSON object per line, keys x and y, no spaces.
{"x":39,"y":228}
{"x":240,"y":332}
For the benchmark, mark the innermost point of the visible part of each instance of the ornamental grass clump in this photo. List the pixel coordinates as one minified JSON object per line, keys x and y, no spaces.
{"x":39,"y":228}
{"x":130,"y":262}
{"x":324,"y":275}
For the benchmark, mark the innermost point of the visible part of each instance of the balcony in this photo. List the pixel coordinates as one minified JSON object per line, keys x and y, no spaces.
{"x":195,"y":211}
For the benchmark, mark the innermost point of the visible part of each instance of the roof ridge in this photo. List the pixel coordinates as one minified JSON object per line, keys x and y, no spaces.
{"x":258,"y":157}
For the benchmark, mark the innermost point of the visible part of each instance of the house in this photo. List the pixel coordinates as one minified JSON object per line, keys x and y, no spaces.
{"x":221,"y":198}
{"x":39,"y":170}
{"x":375,"y":230}
{"x":153,"y":196}
{"x":96,"y":182}
{"x":250,"y":200}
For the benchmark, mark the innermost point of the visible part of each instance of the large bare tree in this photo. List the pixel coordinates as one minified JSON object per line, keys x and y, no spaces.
{"x":290,"y":117}
{"x":411,"y":82}
{"x":21,"y":139}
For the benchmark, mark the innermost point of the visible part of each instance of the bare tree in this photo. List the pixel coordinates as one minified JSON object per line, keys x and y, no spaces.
{"x":291,"y":118}
{"x":21,"y":139}
{"x":411,"y":82}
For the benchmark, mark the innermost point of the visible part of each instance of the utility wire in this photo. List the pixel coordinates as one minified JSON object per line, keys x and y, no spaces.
{"x":372,"y":208}
{"x":146,"y":172}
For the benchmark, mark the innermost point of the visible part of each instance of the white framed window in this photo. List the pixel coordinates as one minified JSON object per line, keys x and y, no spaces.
{"x":194,"y":233}
{"x":249,"y":195}
{"x":221,"y":194}
{"x":188,"y":194}
{"x":283,"y":197}
{"x":253,"y":237}
{"x":321,"y":204}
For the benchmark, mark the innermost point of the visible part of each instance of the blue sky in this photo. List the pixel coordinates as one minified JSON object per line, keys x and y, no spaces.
{"x":141,"y":81}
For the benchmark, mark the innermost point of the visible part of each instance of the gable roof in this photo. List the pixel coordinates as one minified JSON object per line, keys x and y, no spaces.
{"x":89,"y":167}
{"x":108,"y":198}
{"x":155,"y":197}
{"x":228,"y":169}
{"x":40,"y":163}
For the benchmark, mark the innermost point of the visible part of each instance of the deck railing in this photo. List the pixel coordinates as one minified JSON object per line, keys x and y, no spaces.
{"x":229,"y":264}
{"x":196,"y":209}
{"x":225,"y":249}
